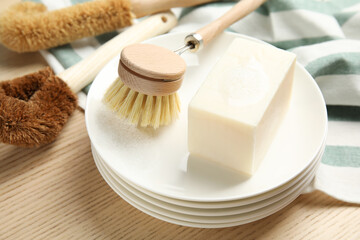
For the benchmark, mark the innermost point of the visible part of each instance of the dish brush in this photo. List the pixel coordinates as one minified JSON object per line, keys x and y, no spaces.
{"x":149,"y":75}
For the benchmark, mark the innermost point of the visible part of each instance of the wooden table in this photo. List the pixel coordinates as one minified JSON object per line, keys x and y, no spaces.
{"x":56,"y":192}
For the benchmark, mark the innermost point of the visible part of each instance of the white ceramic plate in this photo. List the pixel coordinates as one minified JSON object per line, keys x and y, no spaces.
{"x":237,"y":209}
{"x":211,"y":211}
{"x":199,"y":221}
{"x":223,"y":204}
{"x":158,"y":160}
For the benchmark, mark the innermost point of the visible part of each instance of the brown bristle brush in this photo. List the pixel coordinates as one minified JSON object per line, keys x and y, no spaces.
{"x":29,"y":27}
{"x":35,"y":107}
{"x":149,"y":75}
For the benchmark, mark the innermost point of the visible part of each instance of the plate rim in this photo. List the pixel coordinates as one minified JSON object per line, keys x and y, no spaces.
{"x":189,"y":223}
{"x":312,"y":169}
{"x":223,"y":204}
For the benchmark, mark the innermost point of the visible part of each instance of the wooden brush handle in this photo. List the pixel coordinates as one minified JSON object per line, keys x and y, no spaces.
{"x":82,"y":73}
{"x":145,"y":7}
{"x":240,"y":10}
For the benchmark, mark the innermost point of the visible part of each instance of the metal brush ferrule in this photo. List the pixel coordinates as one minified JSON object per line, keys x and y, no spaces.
{"x":195,"y":41}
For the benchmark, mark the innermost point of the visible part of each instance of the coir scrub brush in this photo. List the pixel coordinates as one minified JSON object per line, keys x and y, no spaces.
{"x":149,"y":75}
{"x":28,"y":26}
{"x":35,"y":107}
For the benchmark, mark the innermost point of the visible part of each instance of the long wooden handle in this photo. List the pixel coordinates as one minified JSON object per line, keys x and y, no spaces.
{"x":82,"y":73}
{"x":145,"y":7}
{"x":240,"y":10}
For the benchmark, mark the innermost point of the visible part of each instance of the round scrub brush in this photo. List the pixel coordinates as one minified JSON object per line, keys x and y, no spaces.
{"x":152,"y":98}
{"x":149,"y":75}
{"x":35,"y":107}
{"x":28,"y":26}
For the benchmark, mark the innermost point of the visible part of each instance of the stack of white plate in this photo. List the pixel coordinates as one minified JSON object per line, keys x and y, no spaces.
{"x":152,"y":170}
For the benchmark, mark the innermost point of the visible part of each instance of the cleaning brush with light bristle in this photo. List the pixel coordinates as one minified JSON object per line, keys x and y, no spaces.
{"x":161,"y":105}
{"x":29,"y":26}
{"x":150,"y":75}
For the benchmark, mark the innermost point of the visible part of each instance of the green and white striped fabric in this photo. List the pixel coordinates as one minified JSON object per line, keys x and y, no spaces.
{"x":325,"y":36}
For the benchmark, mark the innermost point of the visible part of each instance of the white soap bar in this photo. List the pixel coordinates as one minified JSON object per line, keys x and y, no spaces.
{"x":234,"y":116}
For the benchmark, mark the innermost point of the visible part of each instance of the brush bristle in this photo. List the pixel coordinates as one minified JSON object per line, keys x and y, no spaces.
{"x":142,"y":109}
{"x":29,"y":26}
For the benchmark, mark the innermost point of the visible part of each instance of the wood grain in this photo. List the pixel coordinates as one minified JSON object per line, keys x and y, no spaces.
{"x":144,"y":67}
{"x":146,"y":85}
{"x":240,"y":10}
{"x":145,"y":7}
{"x":56,"y":192}
{"x":153,"y":61}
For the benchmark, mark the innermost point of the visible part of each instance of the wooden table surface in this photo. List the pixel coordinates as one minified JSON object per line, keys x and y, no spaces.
{"x":56,"y":192}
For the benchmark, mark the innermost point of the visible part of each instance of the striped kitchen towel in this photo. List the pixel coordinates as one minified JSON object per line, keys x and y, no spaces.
{"x":325,"y":36}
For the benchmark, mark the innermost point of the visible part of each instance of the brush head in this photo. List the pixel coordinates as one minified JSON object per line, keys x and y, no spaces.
{"x":34,"y":108}
{"x":145,"y":92}
{"x":151,"y":69}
